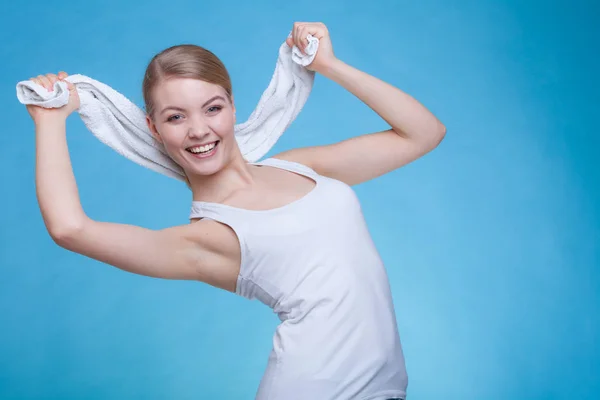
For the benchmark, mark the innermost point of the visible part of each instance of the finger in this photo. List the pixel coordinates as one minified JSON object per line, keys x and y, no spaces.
{"x":299,"y":41}
{"x":38,"y":80}
{"x":52,"y":78}
{"x":316,"y":29}
{"x":297,"y":33}
{"x":62,"y":75}
{"x":44,"y":81}
{"x":301,"y":38}
{"x":72,"y":88}
{"x":294,"y":34}
{"x":304,"y":32}
{"x":321,"y":30}
{"x":47,"y":80}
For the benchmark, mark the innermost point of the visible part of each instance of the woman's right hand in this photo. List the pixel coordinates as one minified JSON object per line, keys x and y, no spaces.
{"x":38,"y":113}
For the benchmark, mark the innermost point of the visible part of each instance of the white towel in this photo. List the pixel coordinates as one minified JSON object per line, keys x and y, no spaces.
{"x":120,"y":124}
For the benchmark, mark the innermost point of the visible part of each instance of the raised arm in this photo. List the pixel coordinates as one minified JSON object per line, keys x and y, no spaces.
{"x":414,"y":130}
{"x":203,"y":251}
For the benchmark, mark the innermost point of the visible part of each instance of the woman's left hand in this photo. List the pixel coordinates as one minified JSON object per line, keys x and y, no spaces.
{"x":325,"y":56}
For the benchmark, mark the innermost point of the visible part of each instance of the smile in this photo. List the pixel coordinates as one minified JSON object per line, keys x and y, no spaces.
{"x":203,"y":151}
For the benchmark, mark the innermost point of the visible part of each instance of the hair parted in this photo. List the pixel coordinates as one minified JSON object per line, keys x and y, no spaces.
{"x":184,"y":61}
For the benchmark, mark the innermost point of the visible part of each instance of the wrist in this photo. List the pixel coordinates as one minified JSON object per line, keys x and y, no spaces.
{"x":50,"y":118}
{"x":330,"y":68}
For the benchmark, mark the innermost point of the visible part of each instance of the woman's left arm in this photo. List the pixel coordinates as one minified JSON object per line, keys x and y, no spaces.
{"x":414,"y":131}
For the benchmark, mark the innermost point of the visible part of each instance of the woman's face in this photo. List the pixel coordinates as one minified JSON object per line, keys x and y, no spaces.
{"x":194,"y":121}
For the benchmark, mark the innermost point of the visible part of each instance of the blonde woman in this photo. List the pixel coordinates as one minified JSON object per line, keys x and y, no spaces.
{"x":287,"y":230}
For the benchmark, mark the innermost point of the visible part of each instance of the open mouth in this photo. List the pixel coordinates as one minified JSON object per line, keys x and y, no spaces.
{"x":204,"y":150}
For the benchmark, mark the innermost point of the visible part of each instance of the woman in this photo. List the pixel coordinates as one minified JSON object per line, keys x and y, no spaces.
{"x":288,"y":230}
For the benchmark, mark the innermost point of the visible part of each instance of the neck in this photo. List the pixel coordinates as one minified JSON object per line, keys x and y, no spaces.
{"x":216,"y":188}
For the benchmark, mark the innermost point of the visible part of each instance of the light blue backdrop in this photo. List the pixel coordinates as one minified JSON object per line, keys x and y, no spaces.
{"x":491,"y":241}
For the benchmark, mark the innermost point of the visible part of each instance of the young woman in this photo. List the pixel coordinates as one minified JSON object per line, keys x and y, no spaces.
{"x":287,"y":230}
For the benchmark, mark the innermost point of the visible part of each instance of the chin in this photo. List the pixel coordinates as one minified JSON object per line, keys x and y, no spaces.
{"x":204,"y":166}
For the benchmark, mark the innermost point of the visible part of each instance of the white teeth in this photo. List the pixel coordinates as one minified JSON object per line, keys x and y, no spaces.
{"x":203,"y":149}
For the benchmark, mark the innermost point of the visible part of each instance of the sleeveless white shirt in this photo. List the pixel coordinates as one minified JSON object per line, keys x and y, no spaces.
{"x":314,"y":263}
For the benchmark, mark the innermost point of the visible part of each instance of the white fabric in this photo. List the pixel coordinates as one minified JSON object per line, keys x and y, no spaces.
{"x":120,"y":124}
{"x":314,"y":263}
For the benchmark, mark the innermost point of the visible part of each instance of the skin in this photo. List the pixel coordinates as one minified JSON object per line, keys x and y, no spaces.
{"x":206,"y":250}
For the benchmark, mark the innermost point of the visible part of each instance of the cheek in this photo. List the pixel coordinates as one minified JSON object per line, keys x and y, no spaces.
{"x":224,"y":125}
{"x":171,"y":135}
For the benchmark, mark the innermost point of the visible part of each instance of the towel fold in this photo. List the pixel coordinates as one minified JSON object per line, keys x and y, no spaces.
{"x":120,"y":124}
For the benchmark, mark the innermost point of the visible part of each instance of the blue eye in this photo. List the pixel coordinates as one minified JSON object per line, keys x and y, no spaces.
{"x":218,"y":108}
{"x":173,"y":118}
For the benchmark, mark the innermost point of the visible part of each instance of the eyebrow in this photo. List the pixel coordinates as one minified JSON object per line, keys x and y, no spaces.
{"x":203,"y":105}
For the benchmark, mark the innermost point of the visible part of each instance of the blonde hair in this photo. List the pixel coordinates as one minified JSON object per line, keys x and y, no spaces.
{"x":184,"y":61}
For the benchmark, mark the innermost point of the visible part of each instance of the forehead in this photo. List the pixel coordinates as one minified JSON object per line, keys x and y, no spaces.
{"x":185,"y":90}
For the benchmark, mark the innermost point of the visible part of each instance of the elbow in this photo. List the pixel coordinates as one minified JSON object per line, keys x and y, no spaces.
{"x":441,"y":131}
{"x":438,"y":134}
{"x":430,"y":137}
{"x":65,"y":235}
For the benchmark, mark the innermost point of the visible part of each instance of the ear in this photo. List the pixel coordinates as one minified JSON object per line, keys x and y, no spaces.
{"x":152,"y":128}
{"x":233,"y":107}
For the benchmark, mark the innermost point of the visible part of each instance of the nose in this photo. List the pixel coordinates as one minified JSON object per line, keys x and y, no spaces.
{"x":198,"y":128}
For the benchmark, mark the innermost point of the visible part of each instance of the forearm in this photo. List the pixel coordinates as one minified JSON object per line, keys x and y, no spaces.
{"x":405,"y":115}
{"x":56,"y":188}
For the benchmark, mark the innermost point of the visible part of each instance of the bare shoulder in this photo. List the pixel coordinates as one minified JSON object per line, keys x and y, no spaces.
{"x":301,"y":155}
{"x":218,"y":253}
{"x":214,"y":237}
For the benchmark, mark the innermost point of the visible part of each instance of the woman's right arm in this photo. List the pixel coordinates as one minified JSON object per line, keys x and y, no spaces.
{"x":189,"y":251}
{"x":180,"y":252}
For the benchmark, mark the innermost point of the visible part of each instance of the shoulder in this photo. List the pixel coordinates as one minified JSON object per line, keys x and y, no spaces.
{"x":215,"y":237}
{"x":303,"y":156}
{"x":217,"y":254}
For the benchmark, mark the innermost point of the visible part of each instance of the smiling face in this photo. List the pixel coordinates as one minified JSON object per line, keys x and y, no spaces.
{"x":194,"y":120}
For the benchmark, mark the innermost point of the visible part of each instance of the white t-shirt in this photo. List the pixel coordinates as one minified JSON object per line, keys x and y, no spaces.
{"x":314,"y":263}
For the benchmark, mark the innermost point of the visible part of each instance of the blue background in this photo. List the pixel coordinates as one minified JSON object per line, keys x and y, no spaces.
{"x":492,"y":241}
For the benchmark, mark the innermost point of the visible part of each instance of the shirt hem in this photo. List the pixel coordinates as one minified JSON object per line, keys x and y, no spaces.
{"x":386,"y":395}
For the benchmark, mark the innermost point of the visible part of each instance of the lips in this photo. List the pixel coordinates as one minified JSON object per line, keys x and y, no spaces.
{"x":204,"y":150}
